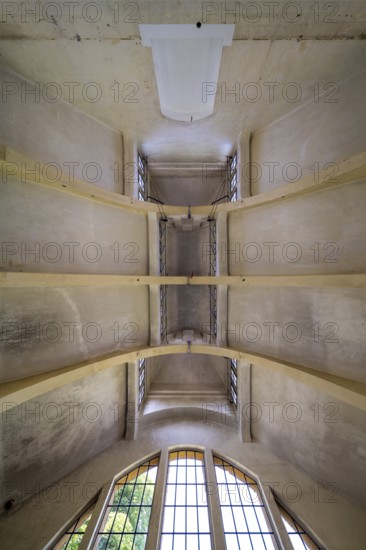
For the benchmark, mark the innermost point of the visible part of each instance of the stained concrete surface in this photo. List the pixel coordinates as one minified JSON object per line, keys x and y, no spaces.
{"x":318,"y":328}
{"x":48,"y":328}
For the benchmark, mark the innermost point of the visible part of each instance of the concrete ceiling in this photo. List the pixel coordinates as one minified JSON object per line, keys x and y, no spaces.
{"x":111,"y":55}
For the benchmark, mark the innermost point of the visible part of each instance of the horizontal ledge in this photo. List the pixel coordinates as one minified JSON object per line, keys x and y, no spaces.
{"x":18,"y":167}
{"x":10,"y":279}
{"x":19,"y":391}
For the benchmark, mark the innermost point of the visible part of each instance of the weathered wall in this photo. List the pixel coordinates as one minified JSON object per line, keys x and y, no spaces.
{"x":188,"y":251}
{"x":55,"y":131}
{"x":320,"y":232}
{"x":190,"y":190}
{"x":46,"y":438}
{"x":188,"y":307}
{"x":187,"y":372}
{"x":68,"y":234}
{"x":324,"y":436}
{"x":328,"y":129}
{"x":48,"y":328}
{"x":321,"y":328}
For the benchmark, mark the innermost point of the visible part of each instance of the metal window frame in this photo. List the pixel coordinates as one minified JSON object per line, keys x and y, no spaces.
{"x":186,"y":484}
{"x":299,"y":524}
{"x":163,"y":271}
{"x":217,"y":533}
{"x":213,"y":271}
{"x":91,"y":533}
{"x":232,"y":177}
{"x":233,"y":381}
{"x":142,"y":381}
{"x":244,"y":528}
{"x":142,"y":178}
{"x":55,"y":542}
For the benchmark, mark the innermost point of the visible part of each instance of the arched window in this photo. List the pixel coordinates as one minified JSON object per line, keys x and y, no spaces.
{"x":196,"y":498}
{"x":72,"y":537}
{"x":125,"y":523}
{"x":300,"y":540}
{"x":185,"y":516}
{"x":246,"y":522}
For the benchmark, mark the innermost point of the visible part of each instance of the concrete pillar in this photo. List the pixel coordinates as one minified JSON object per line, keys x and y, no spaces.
{"x":154,"y":269}
{"x":132,"y":400}
{"x":222,"y":269}
{"x":130,"y":164}
{"x":244,"y":396}
{"x":243,"y":159}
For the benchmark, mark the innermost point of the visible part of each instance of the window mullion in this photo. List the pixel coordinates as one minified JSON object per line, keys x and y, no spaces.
{"x":156,"y":518}
{"x":92,"y":528}
{"x":217,"y":526}
{"x":283,"y":539}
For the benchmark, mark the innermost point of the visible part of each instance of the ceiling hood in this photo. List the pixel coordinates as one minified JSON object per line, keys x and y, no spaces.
{"x":187,"y":62}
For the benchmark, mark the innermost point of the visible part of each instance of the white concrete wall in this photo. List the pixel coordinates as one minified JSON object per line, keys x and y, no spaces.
{"x":196,"y":190}
{"x":188,"y":372}
{"x":328,"y":129}
{"x":46,"y":438}
{"x":44,"y":329}
{"x":68,"y":234}
{"x":320,"y":328}
{"x":317,"y":233}
{"x":188,"y":251}
{"x":188,"y":307}
{"x":315,"y":327}
{"x":322,"y":435}
{"x":56,"y":131}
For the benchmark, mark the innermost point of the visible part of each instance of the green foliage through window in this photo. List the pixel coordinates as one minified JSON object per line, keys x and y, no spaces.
{"x":126,"y":521}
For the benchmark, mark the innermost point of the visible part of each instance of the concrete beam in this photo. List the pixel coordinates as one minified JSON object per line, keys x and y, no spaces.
{"x":19,"y":391}
{"x":12,"y":279}
{"x":154,"y":271}
{"x":28,"y":170}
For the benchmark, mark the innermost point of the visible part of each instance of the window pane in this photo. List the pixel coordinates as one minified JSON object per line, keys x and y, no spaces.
{"x":170,"y":495}
{"x":228,"y":519}
{"x":245,"y":542}
{"x":232,"y":542}
{"x":192,"y":514}
{"x":74,"y":535}
{"x":205,"y":542}
{"x":168,"y":521}
{"x":270,"y":542}
{"x":193,"y":500}
{"x":126,"y":519}
{"x":180,"y":495}
{"x":298,"y":537}
{"x":257,"y":542}
{"x":201,"y":495}
{"x":166,"y":542}
{"x":251,"y":520}
{"x":243,"y":512}
{"x":172,"y":474}
{"x":185,"y":513}
{"x":181,"y":478}
{"x":192,"y":543}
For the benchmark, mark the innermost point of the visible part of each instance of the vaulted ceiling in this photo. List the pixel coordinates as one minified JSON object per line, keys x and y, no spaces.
{"x":302,"y":47}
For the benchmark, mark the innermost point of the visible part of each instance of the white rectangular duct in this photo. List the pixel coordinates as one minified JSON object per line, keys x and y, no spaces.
{"x":186,"y":59}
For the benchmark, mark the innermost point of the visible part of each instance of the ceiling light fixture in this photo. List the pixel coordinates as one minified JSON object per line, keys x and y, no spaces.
{"x":187,"y":62}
